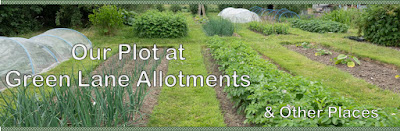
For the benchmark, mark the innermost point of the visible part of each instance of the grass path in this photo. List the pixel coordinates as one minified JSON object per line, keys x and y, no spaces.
{"x":297,"y":64}
{"x":188,"y":106}
{"x":177,"y":106}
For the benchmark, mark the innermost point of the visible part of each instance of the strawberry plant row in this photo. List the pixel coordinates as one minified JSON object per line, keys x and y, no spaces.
{"x":271,"y":87}
{"x":320,"y":26}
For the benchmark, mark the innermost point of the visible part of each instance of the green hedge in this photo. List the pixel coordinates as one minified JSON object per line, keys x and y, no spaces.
{"x":319,"y":26}
{"x":19,"y":19}
{"x":155,"y":24}
{"x":381,"y":24}
{"x":275,"y":88}
{"x":268,"y":29}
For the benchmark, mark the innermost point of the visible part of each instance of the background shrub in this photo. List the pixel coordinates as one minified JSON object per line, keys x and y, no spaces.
{"x":381,"y":23}
{"x":107,"y":18}
{"x":160,"y":7}
{"x":129,"y":17}
{"x":349,"y":17}
{"x":175,"y":8}
{"x":19,"y":19}
{"x":319,"y":26}
{"x":219,"y":26}
{"x":73,"y":15}
{"x":155,"y":24}
{"x":194,"y":8}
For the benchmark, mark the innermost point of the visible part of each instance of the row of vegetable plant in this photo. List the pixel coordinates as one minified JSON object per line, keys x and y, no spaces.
{"x":320,"y":26}
{"x":268,"y":29}
{"x":276,"y":89}
{"x":74,"y":106}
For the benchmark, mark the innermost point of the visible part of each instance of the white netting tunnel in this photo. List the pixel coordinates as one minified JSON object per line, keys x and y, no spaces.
{"x":39,"y":53}
{"x":239,"y":15}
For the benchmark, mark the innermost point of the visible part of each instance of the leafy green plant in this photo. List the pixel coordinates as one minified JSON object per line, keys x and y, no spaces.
{"x":349,"y":17}
{"x":380,"y":24}
{"x":129,"y":17}
{"x":276,"y":89}
{"x":201,"y":20}
{"x":160,"y":7}
{"x":73,"y":15}
{"x":108,"y":18}
{"x":155,"y":24}
{"x":268,"y":29}
{"x":305,"y":45}
{"x":320,"y":26}
{"x":219,"y":26}
{"x":175,"y":8}
{"x":321,"y":52}
{"x":350,"y":61}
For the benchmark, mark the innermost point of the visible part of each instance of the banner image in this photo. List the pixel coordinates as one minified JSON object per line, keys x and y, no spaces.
{"x":199,"y":65}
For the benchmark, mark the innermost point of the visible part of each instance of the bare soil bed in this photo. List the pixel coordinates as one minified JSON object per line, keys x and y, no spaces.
{"x":132,"y":68}
{"x":232,"y":117}
{"x":376,"y":73}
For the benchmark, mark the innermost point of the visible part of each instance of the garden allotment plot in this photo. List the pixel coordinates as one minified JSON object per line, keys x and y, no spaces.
{"x":282,"y":71}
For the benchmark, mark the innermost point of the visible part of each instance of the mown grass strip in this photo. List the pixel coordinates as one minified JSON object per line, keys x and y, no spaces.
{"x":188,"y":106}
{"x":297,"y":64}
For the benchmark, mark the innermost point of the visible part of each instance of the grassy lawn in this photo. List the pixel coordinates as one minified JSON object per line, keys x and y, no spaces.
{"x":297,"y":64}
{"x":188,"y":106}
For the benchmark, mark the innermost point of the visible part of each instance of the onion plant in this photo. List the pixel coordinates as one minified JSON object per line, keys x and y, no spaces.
{"x":79,"y":106}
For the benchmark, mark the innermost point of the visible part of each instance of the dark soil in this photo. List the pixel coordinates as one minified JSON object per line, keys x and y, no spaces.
{"x":127,"y":66}
{"x":356,"y":38}
{"x":232,"y":117}
{"x":376,"y":73}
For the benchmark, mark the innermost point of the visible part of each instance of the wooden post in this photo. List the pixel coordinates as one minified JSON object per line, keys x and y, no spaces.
{"x":203,"y":10}
{"x":199,"y":10}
